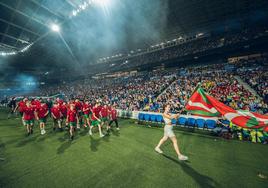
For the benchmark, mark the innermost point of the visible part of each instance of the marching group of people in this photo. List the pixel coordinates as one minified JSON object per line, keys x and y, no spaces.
{"x":69,"y":115}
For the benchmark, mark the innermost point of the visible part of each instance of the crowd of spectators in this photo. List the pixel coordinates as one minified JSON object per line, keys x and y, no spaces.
{"x":198,"y":45}
{"x":227,"y":130}
{"x":149,"y":91}
{"x":219,"y":83}
{"x":256,"y":75}
{"x":128,"y":93}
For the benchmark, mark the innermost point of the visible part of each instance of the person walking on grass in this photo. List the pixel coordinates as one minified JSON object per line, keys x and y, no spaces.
{"x":42,"y":113}
{"x":96,"y":122}
{"x":168,"y":133}
{"x":56,"y":116}
{"x":104,"y":117}
{"x":113,"y":117}
{"x":28,"y":117}
{"x":20,"y":106}
{"x":86,"y":111}
{"x":12,"y":106}
{"x":72,"y":120}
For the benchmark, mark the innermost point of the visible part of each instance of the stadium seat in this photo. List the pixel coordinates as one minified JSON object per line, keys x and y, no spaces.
{"x":191,"y":122}
{"x":226,"y":122}
{"x":211,"y":124}
{"x":128,"y":114}
{"x":141,"y":116}
{"x":182,"y":121}
{"x":153,"y":118}
{"x":147,"y":117}
{"x":159,"y":118}
{"x":200,"y":123}
{"x":174,"y":121}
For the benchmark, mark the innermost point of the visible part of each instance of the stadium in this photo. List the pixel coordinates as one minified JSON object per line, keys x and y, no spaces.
{"x":123,"y":93}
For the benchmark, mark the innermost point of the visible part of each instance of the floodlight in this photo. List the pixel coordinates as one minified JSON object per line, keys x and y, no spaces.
{"x":55,"y":27}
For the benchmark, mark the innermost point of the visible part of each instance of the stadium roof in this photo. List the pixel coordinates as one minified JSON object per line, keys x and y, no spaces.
{"x":26,"y":22}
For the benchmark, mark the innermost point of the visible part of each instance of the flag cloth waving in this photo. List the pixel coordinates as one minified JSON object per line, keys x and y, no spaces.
{"x":199,"y":104}
{"x":203,"y":104}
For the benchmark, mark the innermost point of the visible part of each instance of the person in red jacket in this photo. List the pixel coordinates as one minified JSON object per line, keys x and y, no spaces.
{"x":28,"y":117}
{"x":21,"y":106}
{"x":78,"y":108}
{"x":113,"y":117}
{"x":104,"y":112}
{"x":86,"y":110}
{"x":72,"y":120}
{"x":42,"y":113}
{"x":96,"y":120}
{"x":59,"y":101}
{"x":36,"y":103}
{"x":63,"y":110}
{"x":56,"y":116}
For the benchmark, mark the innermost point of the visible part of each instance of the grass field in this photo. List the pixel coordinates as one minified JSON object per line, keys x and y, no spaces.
{"x":125,"y":159}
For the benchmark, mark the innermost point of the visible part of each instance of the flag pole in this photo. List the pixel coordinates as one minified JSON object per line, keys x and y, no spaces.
{"x":196,"y":88}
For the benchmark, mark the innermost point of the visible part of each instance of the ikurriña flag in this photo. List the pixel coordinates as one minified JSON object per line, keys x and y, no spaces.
{"x":203,"y":104}
{"x":199,"y":104}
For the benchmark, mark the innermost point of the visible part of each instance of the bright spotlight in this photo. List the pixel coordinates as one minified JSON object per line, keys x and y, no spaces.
{"x":74,"y":13}
{"x":55,"y":27}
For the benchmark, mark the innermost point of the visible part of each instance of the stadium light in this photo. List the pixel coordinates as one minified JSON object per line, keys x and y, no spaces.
{"x":55,"y":27}
{"x":8,"y":53}
{"x":26,"y":48}
{"x":84,"y":5}
{"x":3,"y":54}
{"x":74,"y":13}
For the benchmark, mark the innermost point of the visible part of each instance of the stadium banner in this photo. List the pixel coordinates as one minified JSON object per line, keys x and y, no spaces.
{"x":204,"y":105}
{"x":135,"y":115}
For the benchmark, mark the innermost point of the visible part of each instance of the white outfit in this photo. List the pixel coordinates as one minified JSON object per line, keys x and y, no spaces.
{"x":168,"y":129}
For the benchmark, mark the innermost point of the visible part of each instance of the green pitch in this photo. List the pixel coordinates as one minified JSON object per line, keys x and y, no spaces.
{"x":125,"y":159}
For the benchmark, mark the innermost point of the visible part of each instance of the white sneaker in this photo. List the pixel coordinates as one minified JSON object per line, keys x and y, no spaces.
{"x":102,"y":135}
{"x":183,"y":158}
{"x":44,"y":131}
{"x":41,"y":132}
{"x":90,"y":132}
{"x":117,"y":128}
{"x":158,"y":150}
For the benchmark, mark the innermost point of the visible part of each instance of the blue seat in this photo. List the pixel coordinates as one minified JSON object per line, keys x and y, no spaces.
{"x":141,"y":116}
{"x":182,"y":120}
{"x":191,"y":122}
{"x":153,"y":118}
{"x":146,"y":117}
{"x":159,"y":118}
{"x":211,"y":124}
{"x":174,"y":121}
{"x":200,"y":123}
{"x":226,"y":122}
